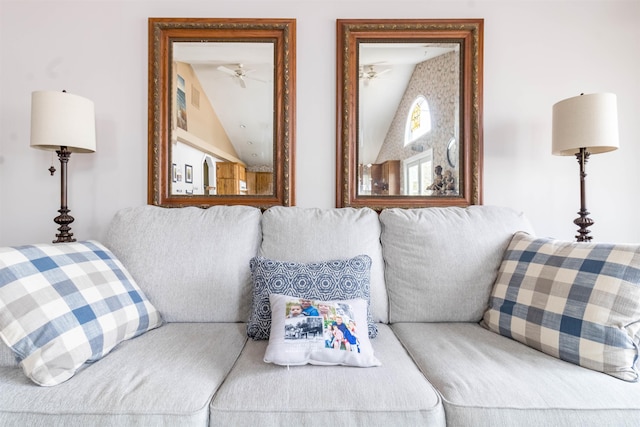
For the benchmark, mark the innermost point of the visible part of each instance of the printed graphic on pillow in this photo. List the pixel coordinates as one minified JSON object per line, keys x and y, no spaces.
{"x":319,"y":332}
{"x":321,"y":324}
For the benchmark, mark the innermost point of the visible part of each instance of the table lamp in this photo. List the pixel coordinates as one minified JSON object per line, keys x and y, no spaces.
{"x":584,"y":125}
{"x":65,"y":123}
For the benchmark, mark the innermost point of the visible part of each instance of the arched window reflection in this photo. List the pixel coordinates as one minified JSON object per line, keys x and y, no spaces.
{"x":418,"y":120}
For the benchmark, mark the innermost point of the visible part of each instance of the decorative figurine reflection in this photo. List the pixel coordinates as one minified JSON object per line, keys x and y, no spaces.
{"x":443,"y":182}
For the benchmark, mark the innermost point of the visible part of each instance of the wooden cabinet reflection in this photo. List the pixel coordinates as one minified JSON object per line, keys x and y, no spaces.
{"x":385,"y":178}
{"x":234,"y":179}
{"x":260,"y":183}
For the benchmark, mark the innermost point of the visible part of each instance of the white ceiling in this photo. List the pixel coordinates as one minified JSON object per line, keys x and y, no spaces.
{"x":247,"y":113}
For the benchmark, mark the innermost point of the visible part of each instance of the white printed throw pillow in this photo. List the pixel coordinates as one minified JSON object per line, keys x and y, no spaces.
{"x":336,"y":333}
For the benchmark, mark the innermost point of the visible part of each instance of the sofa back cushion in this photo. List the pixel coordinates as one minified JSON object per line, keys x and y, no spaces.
{"x":192,"y":263}
{"x":307,"y":235}
{"x":441,"y":263}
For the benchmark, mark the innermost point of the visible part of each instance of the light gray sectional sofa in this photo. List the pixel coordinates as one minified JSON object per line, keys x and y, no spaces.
{"x":432,"y":273}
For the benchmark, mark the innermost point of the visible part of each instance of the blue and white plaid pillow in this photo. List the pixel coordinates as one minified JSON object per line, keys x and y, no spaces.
{"x":579,"y":302}
{"x":65,"y":305}
{"x":326,"y":281}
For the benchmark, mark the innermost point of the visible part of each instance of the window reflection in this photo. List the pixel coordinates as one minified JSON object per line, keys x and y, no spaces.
{"x":418,"y":120}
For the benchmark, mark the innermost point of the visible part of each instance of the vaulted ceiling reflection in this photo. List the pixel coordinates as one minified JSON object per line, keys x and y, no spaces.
{"x":237,"y":81}
{"x":223,"y":130}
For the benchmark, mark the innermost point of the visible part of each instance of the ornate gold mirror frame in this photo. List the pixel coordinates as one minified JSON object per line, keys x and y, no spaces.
{"x":172,"y":181}
{"x":452,"y":176}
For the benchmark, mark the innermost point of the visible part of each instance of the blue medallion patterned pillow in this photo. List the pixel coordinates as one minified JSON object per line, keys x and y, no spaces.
{"x":64,"y":305}
{"x":329,"y":280}
{"x":579,"y":302}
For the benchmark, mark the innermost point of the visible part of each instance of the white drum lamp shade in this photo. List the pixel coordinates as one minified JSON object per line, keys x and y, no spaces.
{"x":60,"y":119}
{"x":585,"y":121}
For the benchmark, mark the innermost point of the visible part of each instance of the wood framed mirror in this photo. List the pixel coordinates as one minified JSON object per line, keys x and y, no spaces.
{"x":409,"y":112}
{"x":221,"y":112}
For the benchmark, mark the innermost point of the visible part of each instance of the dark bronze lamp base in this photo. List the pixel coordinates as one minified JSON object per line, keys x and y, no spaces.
{"x":64,"y":219}
{"x":583,"y":221}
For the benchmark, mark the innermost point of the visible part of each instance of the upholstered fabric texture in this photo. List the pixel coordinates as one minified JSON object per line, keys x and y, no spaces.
{"x":487,"y":380}
{"x":579,"y":302}
{"x":334,"y":333}
{"x":327,"y":280}
{"x":392,"y":394}
{"x":441,"y":263}
{"x":192,"y":263}
{"x":165,"y":377}
{"x":7,"y":356}
{"x":313,"y":234}
{"x":64,"y":305}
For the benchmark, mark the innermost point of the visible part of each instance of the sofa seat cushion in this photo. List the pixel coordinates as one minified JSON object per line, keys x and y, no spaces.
{"x":441,"y":263}
{"x":192,"y":263}
{"x":486,"y":379}
{"x":307,"y":235}
{"x":395,"y":393}
{"x":164,"y":377}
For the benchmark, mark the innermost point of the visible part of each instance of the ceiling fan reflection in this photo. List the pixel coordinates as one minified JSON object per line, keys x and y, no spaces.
{"x":239,"y":74}
{"x":367,"y":73}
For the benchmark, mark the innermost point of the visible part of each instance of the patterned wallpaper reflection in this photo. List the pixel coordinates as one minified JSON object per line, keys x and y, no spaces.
{"x":438,"y":81}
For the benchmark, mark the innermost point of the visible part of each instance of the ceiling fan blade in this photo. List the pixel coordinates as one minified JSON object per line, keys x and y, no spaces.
{"x":240,"y":74}
{"x":255,"y":79}
{"x":227,"y":70}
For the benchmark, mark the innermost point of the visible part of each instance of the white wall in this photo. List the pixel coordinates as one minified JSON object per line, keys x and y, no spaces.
{"x":536,"y":53}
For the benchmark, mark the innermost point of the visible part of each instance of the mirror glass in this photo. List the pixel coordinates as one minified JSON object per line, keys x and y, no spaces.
{"x":409,"y":131}
{"x":226,"y":117}
{"x":399,"y":148}
{"x":221,"y":116}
